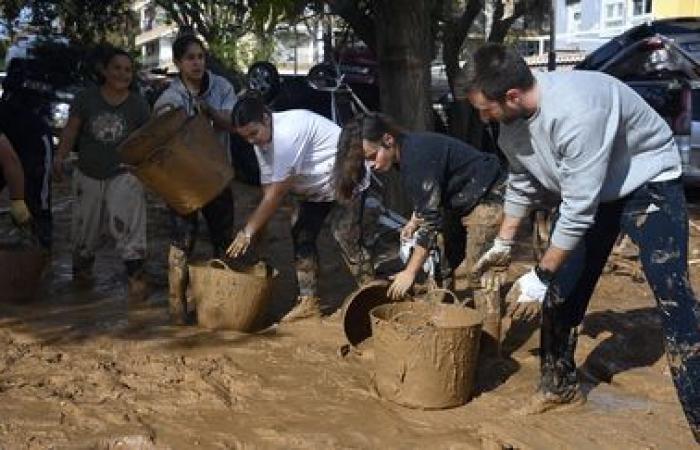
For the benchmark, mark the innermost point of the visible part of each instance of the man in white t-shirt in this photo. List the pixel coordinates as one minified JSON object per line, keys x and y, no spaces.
{"x":296,"y":151}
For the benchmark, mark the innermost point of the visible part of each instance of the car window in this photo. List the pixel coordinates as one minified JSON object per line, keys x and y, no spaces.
{"x":651,"y":60}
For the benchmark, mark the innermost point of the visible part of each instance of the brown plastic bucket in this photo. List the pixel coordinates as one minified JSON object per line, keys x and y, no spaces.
{"x":357,"y":306}
{"x":425,"y":354}
{"x":179,"y":158}
{"x":20,"y":273}
{"x":229,"y":299}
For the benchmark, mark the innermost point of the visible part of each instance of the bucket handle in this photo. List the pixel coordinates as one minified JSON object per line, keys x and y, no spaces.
{"x":219,"y":264}
{"x":455,"y":300}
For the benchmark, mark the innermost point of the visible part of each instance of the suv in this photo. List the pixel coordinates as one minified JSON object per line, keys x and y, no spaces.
{"x":658,"y":60}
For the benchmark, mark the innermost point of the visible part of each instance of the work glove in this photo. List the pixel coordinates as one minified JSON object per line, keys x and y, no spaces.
{"x":497,"y":256}
{"x":525,"y":298}
{"x":240,"y":244}
{"x":401,"y":284}
{"x":20,"y":213}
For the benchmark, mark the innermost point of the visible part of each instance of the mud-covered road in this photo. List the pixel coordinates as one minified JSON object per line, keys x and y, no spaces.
{"x":78,"y":370}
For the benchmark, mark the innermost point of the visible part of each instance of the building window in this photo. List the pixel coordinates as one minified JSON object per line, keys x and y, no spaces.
{"x":573,"y":17}
{"x":613,"y":13}
{"x":641,"y":7}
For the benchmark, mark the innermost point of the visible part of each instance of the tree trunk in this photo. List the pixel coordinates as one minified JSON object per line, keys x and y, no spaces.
{"x":404,"y":45}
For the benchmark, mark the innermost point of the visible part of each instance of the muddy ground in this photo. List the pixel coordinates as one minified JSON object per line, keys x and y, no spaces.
{"x":78,"y":370}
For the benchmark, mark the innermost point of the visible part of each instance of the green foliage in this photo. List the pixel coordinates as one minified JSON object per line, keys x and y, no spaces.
{"x":237,"y":31}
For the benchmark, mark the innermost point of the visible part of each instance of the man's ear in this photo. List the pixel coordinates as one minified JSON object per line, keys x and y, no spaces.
{"x":514,"y":95}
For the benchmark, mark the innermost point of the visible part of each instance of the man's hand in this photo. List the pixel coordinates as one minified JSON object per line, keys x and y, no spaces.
{"x":401,"y":284}
{"x":240,"y":244}
{"x":526,"y":296}
{"x":497,"y":256}
{"x":20,"y":213}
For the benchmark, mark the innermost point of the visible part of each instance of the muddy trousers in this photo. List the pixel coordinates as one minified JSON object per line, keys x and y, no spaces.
{"x":465,"y":239}
{"x":654,"y":216}
{"x":114,"y":206}
{"x":307,"y":221}
{"x":218,"y":215}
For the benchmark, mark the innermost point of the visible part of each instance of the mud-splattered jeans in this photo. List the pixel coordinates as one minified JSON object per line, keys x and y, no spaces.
{"x":218,"y":215}
{"x":114,"y":206}
{"x":655,"y":218}
{"x":307,"y":221}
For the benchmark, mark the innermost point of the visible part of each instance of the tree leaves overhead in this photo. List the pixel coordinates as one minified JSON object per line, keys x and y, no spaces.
{"x":86,"y":21}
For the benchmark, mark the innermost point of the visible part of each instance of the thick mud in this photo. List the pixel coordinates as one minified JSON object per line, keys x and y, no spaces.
{"x":79,"y":370}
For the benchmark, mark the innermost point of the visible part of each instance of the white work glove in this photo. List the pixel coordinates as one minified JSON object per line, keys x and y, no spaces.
{"x":240,"y":244}
{"x":526,"y":296}
{"x":20,"y":213}
{"x":497,"y":256}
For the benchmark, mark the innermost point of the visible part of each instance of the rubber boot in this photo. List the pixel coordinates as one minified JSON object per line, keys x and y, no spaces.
{"x":138,"y":290}
{"x":177,"y":286}
{"x":306,"y":307}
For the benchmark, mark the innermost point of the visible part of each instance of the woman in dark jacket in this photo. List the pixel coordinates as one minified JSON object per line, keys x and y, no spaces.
{"x":444,"y":179}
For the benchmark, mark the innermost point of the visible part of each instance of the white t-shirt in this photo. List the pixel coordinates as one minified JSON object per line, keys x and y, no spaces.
{"x":304,"y":145}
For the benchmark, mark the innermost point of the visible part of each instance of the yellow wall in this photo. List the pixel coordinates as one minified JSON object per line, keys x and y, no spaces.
{"x":675,"y":8}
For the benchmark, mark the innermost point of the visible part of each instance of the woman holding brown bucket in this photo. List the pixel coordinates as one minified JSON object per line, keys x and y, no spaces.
{"x":106,"y":195}
{"x":296,"y":152}
{"x":445,"y":179}
{"x":197,"y":90}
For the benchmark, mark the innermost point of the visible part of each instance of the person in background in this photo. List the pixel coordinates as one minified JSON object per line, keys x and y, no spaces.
{"x":614,"y":164}
{"x":107,"y":196}
{"x":29,"y":141}
{"x":296,"y":152}
{"x":197,"y":90}
{"x":445,"y":181}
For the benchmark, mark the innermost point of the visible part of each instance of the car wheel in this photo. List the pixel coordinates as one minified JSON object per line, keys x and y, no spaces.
{"x":264,"y":78}
{"x":322,"y":75}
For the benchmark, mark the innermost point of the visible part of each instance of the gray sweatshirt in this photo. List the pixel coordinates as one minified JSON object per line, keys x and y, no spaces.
{"x":219,"y":94}
{"x":592,"y":140}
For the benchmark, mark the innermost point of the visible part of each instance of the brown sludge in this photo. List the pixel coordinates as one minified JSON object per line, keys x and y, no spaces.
{"x":79,"y":370}
{"x":425,"y":355}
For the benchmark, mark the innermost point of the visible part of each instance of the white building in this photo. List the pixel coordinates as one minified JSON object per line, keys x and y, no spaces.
{"x":156,"y":36}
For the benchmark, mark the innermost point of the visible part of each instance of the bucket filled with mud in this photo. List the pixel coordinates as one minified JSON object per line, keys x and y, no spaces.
{"x":229,"y":298}
{"x":425,"y":354}
{"x":21,"y":269}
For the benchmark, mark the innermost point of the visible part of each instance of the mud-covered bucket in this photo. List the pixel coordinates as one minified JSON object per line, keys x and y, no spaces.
{"x":20,"y":273}
{"x":179,"y":158}
{"x":425,"y":354}
{"x":357,"y":306}
{"x":230,"y":299}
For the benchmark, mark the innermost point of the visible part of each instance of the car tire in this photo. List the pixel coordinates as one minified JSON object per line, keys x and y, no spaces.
{"x":264,"y":78}
{"x":322,"y":75}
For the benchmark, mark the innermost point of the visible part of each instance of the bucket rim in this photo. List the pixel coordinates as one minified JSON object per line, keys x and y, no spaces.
{"x":477,"y":314}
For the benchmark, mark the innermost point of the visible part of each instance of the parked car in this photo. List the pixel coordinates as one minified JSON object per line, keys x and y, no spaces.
{"x":660,"y":62}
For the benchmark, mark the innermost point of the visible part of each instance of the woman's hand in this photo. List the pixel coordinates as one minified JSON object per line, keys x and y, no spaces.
{"x":410,"y":227}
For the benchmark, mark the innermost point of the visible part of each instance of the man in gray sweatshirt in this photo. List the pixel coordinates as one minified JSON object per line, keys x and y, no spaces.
{"x":610,"y":159}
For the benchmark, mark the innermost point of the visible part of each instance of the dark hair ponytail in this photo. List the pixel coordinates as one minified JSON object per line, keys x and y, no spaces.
{"x":350,"y":169}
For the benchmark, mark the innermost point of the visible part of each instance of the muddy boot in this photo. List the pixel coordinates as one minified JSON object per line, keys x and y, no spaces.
{"x":544,"y":401}
{"x":138,"y":290}
{"x":177,"y":286}
{"x":307,"y":307}
{"x":82,"y":270}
